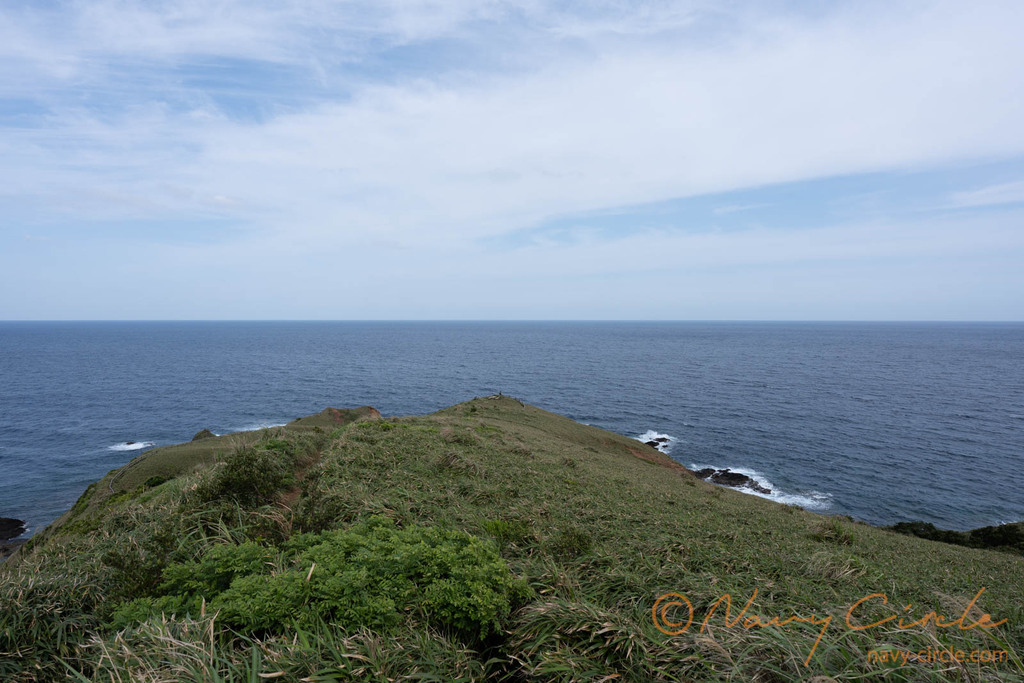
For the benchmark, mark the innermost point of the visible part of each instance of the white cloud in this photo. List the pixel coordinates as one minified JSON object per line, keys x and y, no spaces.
{"x":640,"y":125}
{"x":736,"y":208}
{"x":1004,"y":193}
{"x":542,"y":113}
{"x":799,"y":99}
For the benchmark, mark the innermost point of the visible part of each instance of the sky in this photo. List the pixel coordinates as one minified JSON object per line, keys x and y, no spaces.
{"x":482,"y":159}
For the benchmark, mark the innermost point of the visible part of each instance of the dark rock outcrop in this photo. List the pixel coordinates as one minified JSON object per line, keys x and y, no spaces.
{"x":203,"y":434}
{"x":11,"y":528}
{"x":727,"y":477}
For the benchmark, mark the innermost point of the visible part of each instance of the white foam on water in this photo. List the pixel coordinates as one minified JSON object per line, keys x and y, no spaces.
{"x":811,"y":500}
{"x":136,"y":446}
{"x":651,"y":435}
{"x":259,"y":425}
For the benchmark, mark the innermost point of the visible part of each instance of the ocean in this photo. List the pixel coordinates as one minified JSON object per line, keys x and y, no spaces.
{"x":884,"y":422}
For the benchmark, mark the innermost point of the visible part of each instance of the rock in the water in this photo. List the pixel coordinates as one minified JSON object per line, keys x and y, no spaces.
{"x":727,"y":477}
{"x":129,"y":443}
{"x":203,"y":434}
{"x":662,"y":439}
{"x":11,"y":528}
{"x":652,"y":444}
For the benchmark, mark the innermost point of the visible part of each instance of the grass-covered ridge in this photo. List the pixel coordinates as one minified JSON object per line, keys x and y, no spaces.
{"x":489,"y":541}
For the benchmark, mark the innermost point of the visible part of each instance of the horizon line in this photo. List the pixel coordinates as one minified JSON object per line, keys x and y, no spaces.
{"x":516,"y":320}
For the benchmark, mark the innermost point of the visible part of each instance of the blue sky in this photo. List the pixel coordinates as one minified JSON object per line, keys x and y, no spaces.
{"x":213,"y":159}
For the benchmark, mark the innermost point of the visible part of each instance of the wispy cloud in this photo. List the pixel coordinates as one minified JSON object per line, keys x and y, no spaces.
{"x":735,"y":208}
{"x":319,"y":127}
{"x":1003,"y":193}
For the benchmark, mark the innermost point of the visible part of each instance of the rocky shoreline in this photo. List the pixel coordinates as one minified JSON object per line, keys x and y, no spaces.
{"x":723,"y":477}
{"x":726,"y":477}
{"x":10,"y":529}
{"x":1003,"y":537}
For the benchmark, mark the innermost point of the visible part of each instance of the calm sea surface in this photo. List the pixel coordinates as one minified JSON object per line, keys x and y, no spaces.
{"x":884,"y":422}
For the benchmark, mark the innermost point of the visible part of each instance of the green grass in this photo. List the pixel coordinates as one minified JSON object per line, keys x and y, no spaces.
{"x":596,"y":525}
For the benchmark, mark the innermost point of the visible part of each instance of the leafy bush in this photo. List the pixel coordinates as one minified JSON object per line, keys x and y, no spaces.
{"x":155,"y":481}
{"x":1006,"y":537}
{"x":253,"y":475}
{"x":219,"y":566}
{"x":318,"y":508}
{"x":140,"y":609}
{"x":368,"y":576}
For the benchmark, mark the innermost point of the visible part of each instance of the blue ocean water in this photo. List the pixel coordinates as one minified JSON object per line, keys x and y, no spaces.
{"x":881,"y":421}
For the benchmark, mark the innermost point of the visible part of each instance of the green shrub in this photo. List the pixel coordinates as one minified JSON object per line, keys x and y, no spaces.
{"x":140,"y":609}
{"x":1006,"y":537}
{"x":253,"y":475}
{"x":368,"y":576}
{"x":155,"y":481}
{"x":219,"y":566}
{"x":318,"y":508}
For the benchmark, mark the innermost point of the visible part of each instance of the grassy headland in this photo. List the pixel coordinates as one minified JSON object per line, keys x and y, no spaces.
{"x":488,"y":541}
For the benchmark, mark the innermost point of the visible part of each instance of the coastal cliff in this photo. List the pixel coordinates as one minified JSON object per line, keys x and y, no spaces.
{"x":491,"y":540}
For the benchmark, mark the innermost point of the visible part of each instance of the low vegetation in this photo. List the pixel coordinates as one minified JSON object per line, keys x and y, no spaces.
{"x":488,"y":541}
{"x":1006,"y":537}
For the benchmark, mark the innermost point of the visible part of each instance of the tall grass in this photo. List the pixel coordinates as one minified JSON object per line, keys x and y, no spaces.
{"x":168,"y":651}
{"x":596,"y":532}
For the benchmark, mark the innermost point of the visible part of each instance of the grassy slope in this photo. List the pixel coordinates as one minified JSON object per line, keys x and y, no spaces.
{"x":167,"y":462}
{"x":598,"y":525}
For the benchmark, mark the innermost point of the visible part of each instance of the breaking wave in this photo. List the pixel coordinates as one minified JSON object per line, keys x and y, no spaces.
{"x":810,"y":500}
{"x":131,"y":446}
{"x":258,"y":425}
{"x":664,"y":441}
